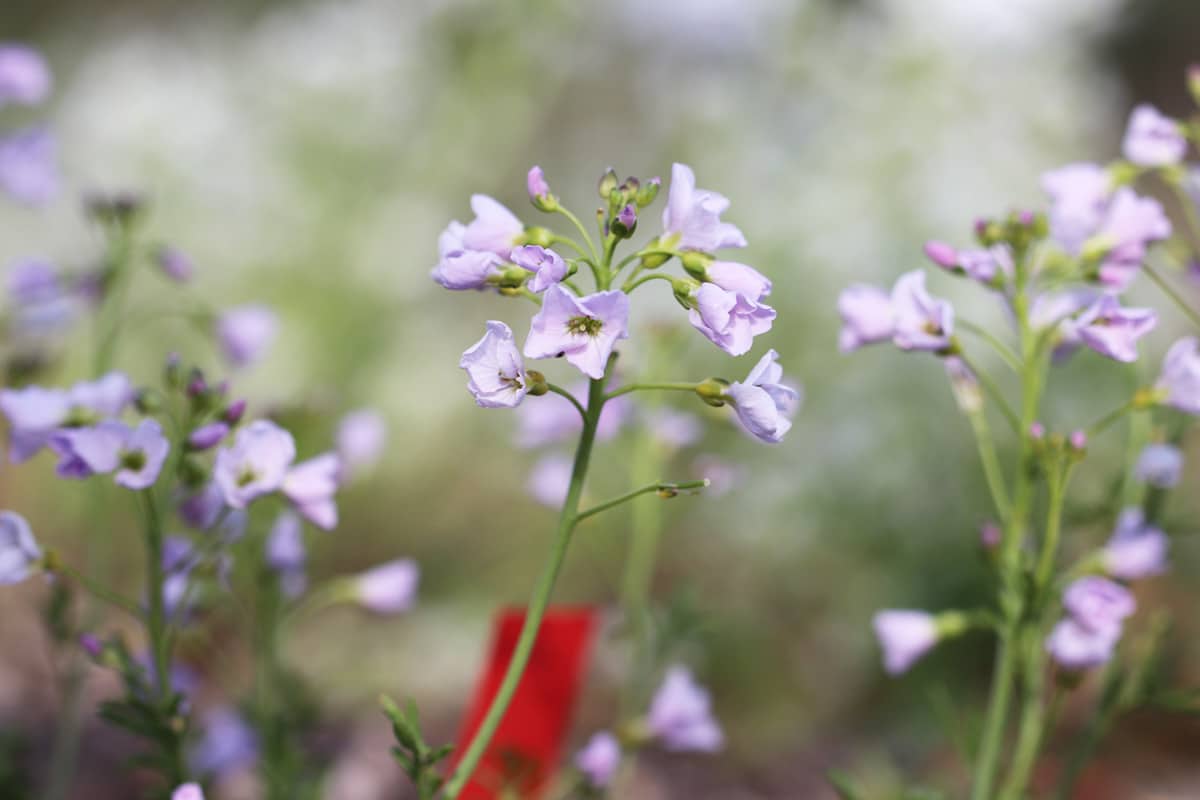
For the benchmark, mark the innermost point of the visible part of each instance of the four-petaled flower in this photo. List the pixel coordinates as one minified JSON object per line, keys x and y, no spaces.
{"x":19,"y":551}
{"x":1179,"y":380}
{"x":495,"y":370}
{"x":692,"y":218}
{"x":1112,"y":330}
{"x":922,"y":322}
{"x":389,"y":588}
{"x":599,"y":759}
{"x":729,"y":320}
{"x":1153,"y":139}
{"x":584,"y":329}
{"x":135,"y":454}
{"x":256,"y":464}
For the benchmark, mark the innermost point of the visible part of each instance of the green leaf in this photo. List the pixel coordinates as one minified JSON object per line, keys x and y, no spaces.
{"x":842,"y":785}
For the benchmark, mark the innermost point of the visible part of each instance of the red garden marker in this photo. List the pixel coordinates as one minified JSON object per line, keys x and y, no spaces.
{"x":525,"y":751}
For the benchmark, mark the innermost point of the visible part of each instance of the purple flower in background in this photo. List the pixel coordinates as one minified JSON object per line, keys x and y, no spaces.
{"x":41,"y":304}
{"x":207,"y":436}
{"x":1098,"y":604}
{"x":681,"y":716}
{"x":19,"y":551}
{"x":692,"y":217}
{"x":361,"y":438}
{"x":599,"y":759}
{"x":922,"y":322}
{"x":33,"y":414}
{"x":674,"y":429}
{"x":136,"y":454}
{"x":1179,"y":379}
{"x":174,"y":263}
{"x":986,"y":266}
{"x":495,"y":229}
{"x":1078,"y":196}
{"x":941,"y":254}
{"x":311,"y":485}
{"x":28,"y":170}
{"x":867,"y":316}
{"x":201,"y":509}
{"x":722,"y":475}
{"x":256,"y":463}
{"x":390,"y":588}
{"x":584,"y":329}
{"x":1152,"y":139}
{"x":535,"y":183}
{"x":729,"y":320}
{"x":548,"y":266}
{"x":1075,"y":646}
{"x":1112,"y":330}
{"x":1159,"y":465}
{"x":495,"y":370}
{"x":1130,"y":224}
{"x":228,"y":744}
{"x":246,"y":333}
{"x":553,"y":419}
{"x":286,"y":554}
{"x":142,"y":456}
{"x":459,"y":268}
{"x":549,"y":480}
{"x":763,"y":405}
{"x":1136,"y":550}
{"x":905,"y":636}
{"x":24,"y":76}
{"x":188,"y":791}
{"x":106,"y":396}
{"x":739,"y":279}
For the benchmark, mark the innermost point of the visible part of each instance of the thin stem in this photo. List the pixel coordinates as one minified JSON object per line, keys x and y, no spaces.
{"x":991,"y":464}
{"x":571,"y":243}
{"x":634,"y":256}
{"x":537,"y":605}
{"x":993,"y":391}
{"x":1057,"y":490}
{"x":582,"y":232}
{"x":1004,"y":351}
{"x":563,"y":392}
{"x":112,"y":598}
{"x":660,"y":486}
{"x":1171,"y":293}
{"x":632,"y":284}
{"x":1102,"y":424}
{"x":156,"y":620}
{"x":673,"y":386}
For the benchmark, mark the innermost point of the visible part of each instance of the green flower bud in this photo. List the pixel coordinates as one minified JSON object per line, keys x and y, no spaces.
{"x":535,"y":234}
{"x":608,"y":183}
{"x":712,"y":391}
{"x":696,"y":264}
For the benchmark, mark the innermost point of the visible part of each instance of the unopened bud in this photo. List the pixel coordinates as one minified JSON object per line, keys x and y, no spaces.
{"x":684,"y":289}
{"x":537,"y":383}
{"x":539,"y":190}
{"x":147,"y":401}
{"x":233,"y":412}
{"x":1078,"y":440}
{"x":712,"y":391}
{"x":647,"y":193}
{"x":941,"y":254}
{"x":608,"y":183}
{"x":696,"y":264}
{"x":535,"y":234}
{"x":1037,"y":431}
{"x":173,"y":372}
{"x":625,"y":222}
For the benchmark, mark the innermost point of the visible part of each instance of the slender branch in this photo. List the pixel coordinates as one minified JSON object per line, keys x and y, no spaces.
{"x":632,"y":284}
{"x":571,"y":243}
{"x":1170,"y":291}
{"x":669,"y":488}
{"x":582,"y":232}
{"x":633,"y":256}
{"x":678,"y":386}
{"x":991,"y":464}
{"x":561,"y":391}
{"x":993,"y":391}
{"x":1003,"y":350}
{"x":114,"y":599}
{"x":1102,"y":424}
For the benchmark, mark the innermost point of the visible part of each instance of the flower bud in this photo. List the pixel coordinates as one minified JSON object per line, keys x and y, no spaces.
{"x":536,"y":234}
{"x":173,"y":372}
{"x":647,"y":193}
{"x":684,"y":289}
{"x":147,"y":401}
{"x":1037,"y":431}
{"x":941,"y":254}
{"x":625,"y":222}
{"x":91,"y":644}
{"x":713,"y":391}
{"x":121,"y":208}
{"x":608,"y":183}
{"x":537,"y":383}
{"x":233,"y":412}
{"x":207,"y":436}
{"x":696,"y":264}
{"x":539,"y":190}
{"x":1078,"y":441}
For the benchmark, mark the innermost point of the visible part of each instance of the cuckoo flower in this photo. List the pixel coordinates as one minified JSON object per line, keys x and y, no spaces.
{"x":361,"y":439}
{"x":1159,"y":465}
{"x":547,"y":266}
{"x":584,"y":329}
{"x":599,"y":759}
{"x":1179,"y":380}
{"x":1076,"y":647}
{"x":255,"y":464}
{"x":549,"y":480}
{"x":28,"y":172}
{"x":495,"y":370}
{"x":227,"y":744}
{"x":1136,"y":550}
{"x":389,"y":588}
{"x":1098,"y":604}
{"x":135,"y":454}
{"x":1130,"y":224}
{"x":692,"y":217}
{"x":33,"y":414}
{"x":174,"y":263}
{"x":535,"y":183}
{"x":739,"y":279}
{"x":922,"y":321}
{"x":1112,"y":330}
{"x":867,"y":316}
{"x":207,"y":436}
{"x":202,"y":508}
{"x":728,"y":319}
{"x":19,"y":551}
{"x":459,"y":268}
{"x":905,"y":637}
{"x":763,"y":404}
{"x":681,"y":716}
{"x":24,"y":76}
{"x":1078,"y":196}
{"x":286,"y":554}
{"x":246,"y":333}
{"x":311,"y":485}
{"x":495,"y":229}
{"x":1152,"y":139}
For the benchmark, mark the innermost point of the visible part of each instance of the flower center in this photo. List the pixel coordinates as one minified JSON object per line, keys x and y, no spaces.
{"x":513,"y":382}
{"x":246,"y":477}
{"x":133,"y":459}
{"x":586,"y":326}
{"x":931,"y":328}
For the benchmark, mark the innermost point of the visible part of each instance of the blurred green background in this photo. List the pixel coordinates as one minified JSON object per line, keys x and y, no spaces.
{"x":308,"y":154}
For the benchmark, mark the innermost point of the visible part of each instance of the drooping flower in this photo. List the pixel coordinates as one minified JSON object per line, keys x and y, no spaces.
{"x":28,"y":168}
{"x":922,"y":321}
{"x":246,"y":333}
{"x":867,"y":316}
{"x":361,"y":438}
{"x":692,"y":217}
{"x":286,"y":554}
{"x":19,"y":551}
{"x":599,"y":759}
{"x":256,"y":464}
{"x":495,"y":370}
{"x":1077,"y":647}
{"x":584,"y":329}
{"x":1098,"y":604}
{"x":459,"y":268}
{"x":135,"y":454}
{"x":986,"y":266}
{"x":188,"y":791}
{"x":681,"y":717}
{"x":762,"y":403}
{"x":33,"y":414}
{"x":728,"y":319}
{"x":1136,"y":550}
{"x":1078,"y":196}
{"x":24,"y":76}
{"x":548,"y":266}
{"x":1179,"y":379}
{"x":311,"y":485}
{"x":389,"y":588}
{"x":1153,"y":139}
{"x":905,"y":636}
{"x":1112,"y":330}
{"x":495,"y":229}
{"x":549,"y":479}
{"x":1159,"y":465}
{"x":738,"y":278}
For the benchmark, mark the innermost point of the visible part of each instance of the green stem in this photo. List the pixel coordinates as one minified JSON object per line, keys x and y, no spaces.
{"x":1004,"y":351}
{"x":675,"y":386}
{"x":993,"y":392}
{"x":1171,"y":293}
{"x":595,"y":258}
{"x":564,"y":393}
{"x":659,"y":486}
{"x":991,"y":464}
{"x":156,"y":619}
{"x":537,"y":605}
{"x":112,"y":598}
{"x":1102,"y":424}
{"x":632,"y":284}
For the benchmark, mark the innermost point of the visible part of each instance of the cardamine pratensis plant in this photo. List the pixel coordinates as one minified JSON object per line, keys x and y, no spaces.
{"x":1063,"y":604}
{"x":581,"y":292}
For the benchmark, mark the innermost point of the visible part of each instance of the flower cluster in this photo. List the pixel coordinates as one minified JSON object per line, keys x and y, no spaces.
{"x":28,"y":170}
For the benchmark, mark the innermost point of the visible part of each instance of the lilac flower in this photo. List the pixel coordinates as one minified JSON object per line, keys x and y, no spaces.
{"x":246,"y":333}
{"x":286,"y":554}
{"x":942,"y":254}
{"x":599,"y":759}
{"x":1114,"y":331}
{"x":495,"y":370}
{"x":361,"y":438}
{"x":495,"y":229}
{"x":729,"y":320}
{"x":722,"y":475}
{"x":674,"y":429}
{"x":867,"y":316}
{"x":535,"y":183}
{"x":922,"y":321}
{"x":1179,"y":379}
{"x":28,"y":172}
{"x":549,"y":479}
{"x":626,"y":220}
{"x":1159,"y":465}
{"x":1098,"y":604}
{"x":739,"y":279}
{"x":1136,"y":550}
{"x":681,"y":717}
{"x":1152,"y":139}
{"x":390,"y":588}
{"x":24,"y":76}
{"x":986,"y":266}
{"x":1078,"y":195}
{"x":763,"y":405}
{"x":19,"y":551}
{"x":1076,"y":647}
{"x":459,"y":268}
{"x":1130,"y":224}
{"x":201,"y":509}
{"x":228,"y":744}
{"x":33,"y":414}
{"x":311,"y":485}
{"x":41,"y":304}
{"x":175,"y":264}
{"x":188,"y":791}
{"x":692,"y":218}
{"x":207,"y":436}
{"x":905,"y":637}
{"x":990,"y":535}
{"x":106,"y":396}
{"x":553,"y":419}
{"x":548,"y":266}
{"x":135,"y":454}
{"x":256,"y":464}
{"x":91,"y":644}
{"x":584,"y":329}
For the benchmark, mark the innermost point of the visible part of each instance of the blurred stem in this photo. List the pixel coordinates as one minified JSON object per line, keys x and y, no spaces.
{"x":279,"y":759}
{"x":991,"y":464}
{"x":993,"y":391}
{"x":564,"y":393}
{"x":587,"y":239}
{"x":1004,"y":351}
{"x":541,"y":598}
{"x":1170,"y":291}
{"x":659,"y":486}
{"x":112,"y":598}
{"x":156,"y":619}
